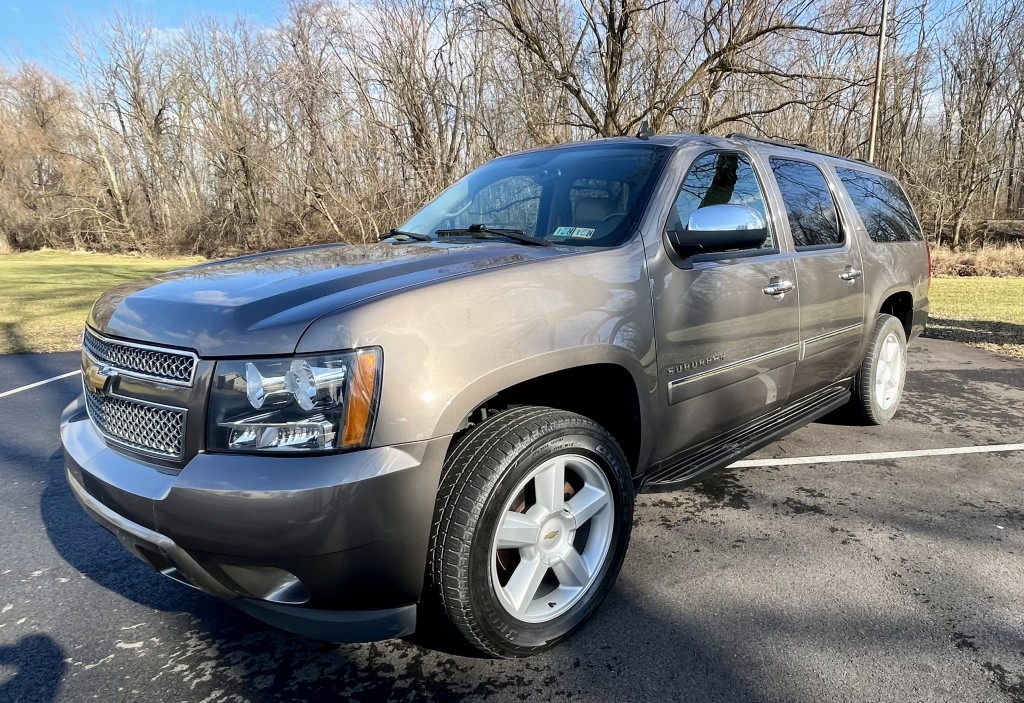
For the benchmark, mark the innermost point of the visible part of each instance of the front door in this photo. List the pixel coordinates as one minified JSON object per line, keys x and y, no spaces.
{"x":727,"y":344}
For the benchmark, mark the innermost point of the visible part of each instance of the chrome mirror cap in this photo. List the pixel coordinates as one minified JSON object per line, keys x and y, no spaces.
{"x":725,"y":218}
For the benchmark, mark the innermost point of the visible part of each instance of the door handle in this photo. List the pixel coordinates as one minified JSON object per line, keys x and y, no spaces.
{"x":777,"y":288}
{"x":851,"y":274}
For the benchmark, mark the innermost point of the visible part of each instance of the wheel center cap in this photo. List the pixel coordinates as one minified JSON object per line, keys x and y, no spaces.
{"x":556,"y":536}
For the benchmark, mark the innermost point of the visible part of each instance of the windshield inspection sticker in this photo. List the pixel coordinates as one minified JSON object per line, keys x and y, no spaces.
{"x":576,"y":232}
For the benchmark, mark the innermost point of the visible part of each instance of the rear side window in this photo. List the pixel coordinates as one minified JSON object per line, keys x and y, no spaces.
{"x":882,"y":206}
{"x":809,"y":205}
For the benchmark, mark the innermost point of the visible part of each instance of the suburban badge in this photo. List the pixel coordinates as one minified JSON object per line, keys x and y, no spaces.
{"x":695,"y":364}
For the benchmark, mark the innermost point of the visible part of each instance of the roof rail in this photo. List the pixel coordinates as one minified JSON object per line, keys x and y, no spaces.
{"x":740,"y":136}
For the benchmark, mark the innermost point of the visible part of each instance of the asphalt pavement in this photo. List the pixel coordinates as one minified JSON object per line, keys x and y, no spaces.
{"x":885,"y":580}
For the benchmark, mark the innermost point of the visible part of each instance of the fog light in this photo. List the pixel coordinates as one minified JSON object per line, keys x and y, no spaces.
{"x":284,"y":436}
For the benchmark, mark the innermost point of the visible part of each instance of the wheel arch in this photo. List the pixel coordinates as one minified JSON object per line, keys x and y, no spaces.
{"x":606,"y":389}
{"x":900,"y":304}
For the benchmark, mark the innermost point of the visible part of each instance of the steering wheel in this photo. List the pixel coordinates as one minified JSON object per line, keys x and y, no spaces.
{"x":611,"y":216}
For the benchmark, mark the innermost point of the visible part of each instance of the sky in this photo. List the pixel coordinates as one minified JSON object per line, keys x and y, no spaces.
{"x":34,"y":30}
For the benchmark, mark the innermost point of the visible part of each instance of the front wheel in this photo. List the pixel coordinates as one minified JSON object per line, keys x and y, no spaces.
{"x":531,"y":525}
{"x":878,"y":386}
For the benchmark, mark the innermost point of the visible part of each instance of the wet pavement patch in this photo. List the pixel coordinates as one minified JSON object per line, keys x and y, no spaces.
{"x":1013,"y":689}
{"x":722,"y":491}
{"x":798,"y":507}
{"x":962,"y":641}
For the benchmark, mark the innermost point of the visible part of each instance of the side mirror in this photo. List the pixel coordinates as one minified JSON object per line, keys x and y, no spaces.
{"x":718,"y":228}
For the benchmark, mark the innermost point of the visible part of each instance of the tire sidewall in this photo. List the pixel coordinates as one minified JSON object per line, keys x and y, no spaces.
{"x":886,"y":325}
{"x":515,"y":637}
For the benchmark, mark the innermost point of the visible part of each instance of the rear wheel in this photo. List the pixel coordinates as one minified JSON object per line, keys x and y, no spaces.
{"x":531,"y":526}
{"x":878,"y":386}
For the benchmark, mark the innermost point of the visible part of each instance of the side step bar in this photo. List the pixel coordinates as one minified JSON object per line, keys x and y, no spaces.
{"x":699,"y":461}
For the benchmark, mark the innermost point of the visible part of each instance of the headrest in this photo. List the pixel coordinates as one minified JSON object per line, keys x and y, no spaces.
{"x":593,"y":209}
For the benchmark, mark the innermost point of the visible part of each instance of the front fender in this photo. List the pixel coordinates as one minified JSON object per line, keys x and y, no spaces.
{"x":450,"y":346}
{"x":500,"y":379}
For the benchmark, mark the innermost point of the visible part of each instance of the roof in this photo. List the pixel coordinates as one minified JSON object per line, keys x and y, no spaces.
{"x":731,"y":141}
{"x":747,"y":139}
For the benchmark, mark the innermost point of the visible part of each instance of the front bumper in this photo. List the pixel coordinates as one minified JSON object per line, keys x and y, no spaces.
{"x":332,"y":546}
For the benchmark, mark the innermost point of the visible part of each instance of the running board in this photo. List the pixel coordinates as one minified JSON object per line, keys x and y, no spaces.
{"x":697,"y":462}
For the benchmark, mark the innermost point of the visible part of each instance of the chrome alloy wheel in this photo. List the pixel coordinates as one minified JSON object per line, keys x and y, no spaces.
{"x":553,"y":538}
{"x":889,"y":370}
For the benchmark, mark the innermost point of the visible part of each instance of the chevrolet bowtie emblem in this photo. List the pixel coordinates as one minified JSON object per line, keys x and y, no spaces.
{"x":99,"y":377}
{"x":551,"y":535}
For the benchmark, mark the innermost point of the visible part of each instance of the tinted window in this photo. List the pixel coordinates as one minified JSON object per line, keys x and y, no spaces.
{"x":882,"y":206}
{"x":809,"y":206}
{"x":719,"y":179}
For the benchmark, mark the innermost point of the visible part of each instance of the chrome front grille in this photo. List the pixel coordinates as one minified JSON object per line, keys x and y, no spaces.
{"x":146,"y":427}
{"x":142,"y":361}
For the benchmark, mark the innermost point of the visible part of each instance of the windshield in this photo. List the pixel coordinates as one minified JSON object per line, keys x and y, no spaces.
{"x":578,"y":196}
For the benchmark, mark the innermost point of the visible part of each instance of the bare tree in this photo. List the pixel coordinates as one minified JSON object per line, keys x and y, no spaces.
{"x":339,"y":120}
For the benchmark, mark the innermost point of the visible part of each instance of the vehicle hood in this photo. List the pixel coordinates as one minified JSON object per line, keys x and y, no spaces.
{"x":261,"y":304}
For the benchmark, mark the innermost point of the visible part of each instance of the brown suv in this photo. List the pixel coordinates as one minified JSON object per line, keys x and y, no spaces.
{"x":459,"y":415}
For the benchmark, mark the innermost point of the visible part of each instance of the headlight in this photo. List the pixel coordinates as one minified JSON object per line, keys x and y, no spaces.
{"x":303,"y":403}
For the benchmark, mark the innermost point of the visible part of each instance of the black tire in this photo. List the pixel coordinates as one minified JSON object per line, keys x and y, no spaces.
{"x":870,"y":404}
{"x":481,"y":472}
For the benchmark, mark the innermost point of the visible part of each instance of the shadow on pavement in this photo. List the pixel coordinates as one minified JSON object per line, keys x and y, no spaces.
{"x":991,"y":331}
{"x":38,"y":664}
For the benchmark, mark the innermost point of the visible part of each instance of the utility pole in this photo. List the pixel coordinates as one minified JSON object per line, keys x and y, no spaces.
{"x":877,"y":98}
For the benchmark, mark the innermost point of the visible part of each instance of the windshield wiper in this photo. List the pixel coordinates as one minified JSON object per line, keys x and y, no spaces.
{"x":401,"y":234}
{"x":481,"y":231}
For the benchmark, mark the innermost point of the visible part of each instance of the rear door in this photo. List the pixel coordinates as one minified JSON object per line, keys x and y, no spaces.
{"x":829,"y":273}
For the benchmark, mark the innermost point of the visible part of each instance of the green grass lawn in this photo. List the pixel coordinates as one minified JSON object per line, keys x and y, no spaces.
{"x":981,"y":311}
{"x":46,"y":295}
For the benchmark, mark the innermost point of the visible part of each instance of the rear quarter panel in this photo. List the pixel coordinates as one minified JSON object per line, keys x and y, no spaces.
{"x":889,"y":267}
{"x":894,"y":268}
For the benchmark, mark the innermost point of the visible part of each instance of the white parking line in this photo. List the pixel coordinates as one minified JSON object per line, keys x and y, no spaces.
{"x":38,"y":383}
{"x":874,"y":456}
{"x":746,"y":463}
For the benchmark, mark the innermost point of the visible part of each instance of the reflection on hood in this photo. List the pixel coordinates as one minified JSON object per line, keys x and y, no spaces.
{"x":261,"y":304}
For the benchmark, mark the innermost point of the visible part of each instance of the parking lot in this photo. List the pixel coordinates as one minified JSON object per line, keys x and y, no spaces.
{"x":888,"y":579}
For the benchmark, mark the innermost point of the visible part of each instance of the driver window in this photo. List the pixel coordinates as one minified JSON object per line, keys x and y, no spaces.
{"x":719,"y":179}
{"x":512,"y":203}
